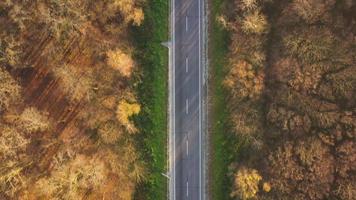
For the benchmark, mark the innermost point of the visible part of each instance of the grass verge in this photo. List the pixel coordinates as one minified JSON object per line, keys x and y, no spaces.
{"x":152,"y":91}
{"x":221,"y":144}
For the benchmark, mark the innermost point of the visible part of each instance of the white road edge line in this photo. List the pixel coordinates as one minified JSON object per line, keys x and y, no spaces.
{"x":173,"y":100}
{"x":200,"y":139}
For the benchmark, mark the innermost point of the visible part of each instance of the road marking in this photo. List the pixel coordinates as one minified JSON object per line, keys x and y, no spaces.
{"x":186,"y":106}
{"x":186,"y":23}
{"x":187,"y":189}
{"x":173,"y":183}
{"x":186,"y":64}
{"x":200,"y":129}
{"x":187,"y":146}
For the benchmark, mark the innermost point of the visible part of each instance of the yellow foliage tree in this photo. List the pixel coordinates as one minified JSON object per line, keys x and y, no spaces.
{"x":78,"y":87}
{"x":255,"y":23}
{"x":124,"y":111}
{"x":136,"y":16}
{"x":312,"y":10}
{"x":9,"y":90}
{"x":244,"y":81}
{"x":248,"y":4}
{"x":31,"y":120}
{"x":246,"y":183}
{"x":120,"y":61}
{"x":109,"y":132}
{"x":128,"y":9}
{"x":266,"y":187}
{"x":12,"y":144}
{"x":73,"y":180}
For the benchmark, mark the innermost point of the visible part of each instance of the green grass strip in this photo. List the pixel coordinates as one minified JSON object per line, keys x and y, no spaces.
{"x":222,"y":152}
{"x":152,"y":90}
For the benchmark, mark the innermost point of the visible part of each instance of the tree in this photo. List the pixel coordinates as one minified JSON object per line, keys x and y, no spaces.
{"x":78,"y":87}
{"x":136,"y":16}
{"x":9,"y":90}
{"x":120,"y":61}
{"x":304,"y":169}
{"x":10,"y":50}
{"x":244,"y":81}
{"x":123,"y":113}
{"x":266,"y":187}
{"x":31,"y":120}
{"x":254,"y":22}
{"x":309,"y":45}
{"x":109,"y":132}
{"x":246,"y":183}
{"x":346,"y":189}
{"x":312,"y":10}
{"x":247,"y":5}
{"x":73,"y":180}
{"x":128,"y":10}
{"x":12,"y":141}
{"x":12,"y":160}
{"x":346,"y":159}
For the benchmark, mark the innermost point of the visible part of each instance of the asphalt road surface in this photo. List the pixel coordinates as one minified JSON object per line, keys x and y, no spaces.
{"x":187,"y":173}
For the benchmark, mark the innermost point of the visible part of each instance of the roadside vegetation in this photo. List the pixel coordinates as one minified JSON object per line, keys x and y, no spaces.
{"x":82,"y":99}
{"x":290,"y":99}
{"x":152,"y":90}
{"x":221,"y":143}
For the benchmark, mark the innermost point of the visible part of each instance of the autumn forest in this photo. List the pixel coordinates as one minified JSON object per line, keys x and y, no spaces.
{"x":83,"y":99}
{"x":67,"y":100}
{"x":290,"y":88}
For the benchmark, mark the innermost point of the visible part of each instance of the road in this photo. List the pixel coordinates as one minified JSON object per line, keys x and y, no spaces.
{"x":187,"y":176}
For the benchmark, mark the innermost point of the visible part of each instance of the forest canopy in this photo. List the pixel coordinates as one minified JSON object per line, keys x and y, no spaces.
{"x":291,"y":84}
{"x":67,"y":100}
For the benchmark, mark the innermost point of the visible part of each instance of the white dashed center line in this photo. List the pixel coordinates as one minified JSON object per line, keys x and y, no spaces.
{"x":187,"y":146}
{"x":186,"y":106}
{"x":187,"y":189}
{"x":186,"y":23}
{"x":186,"y":65}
